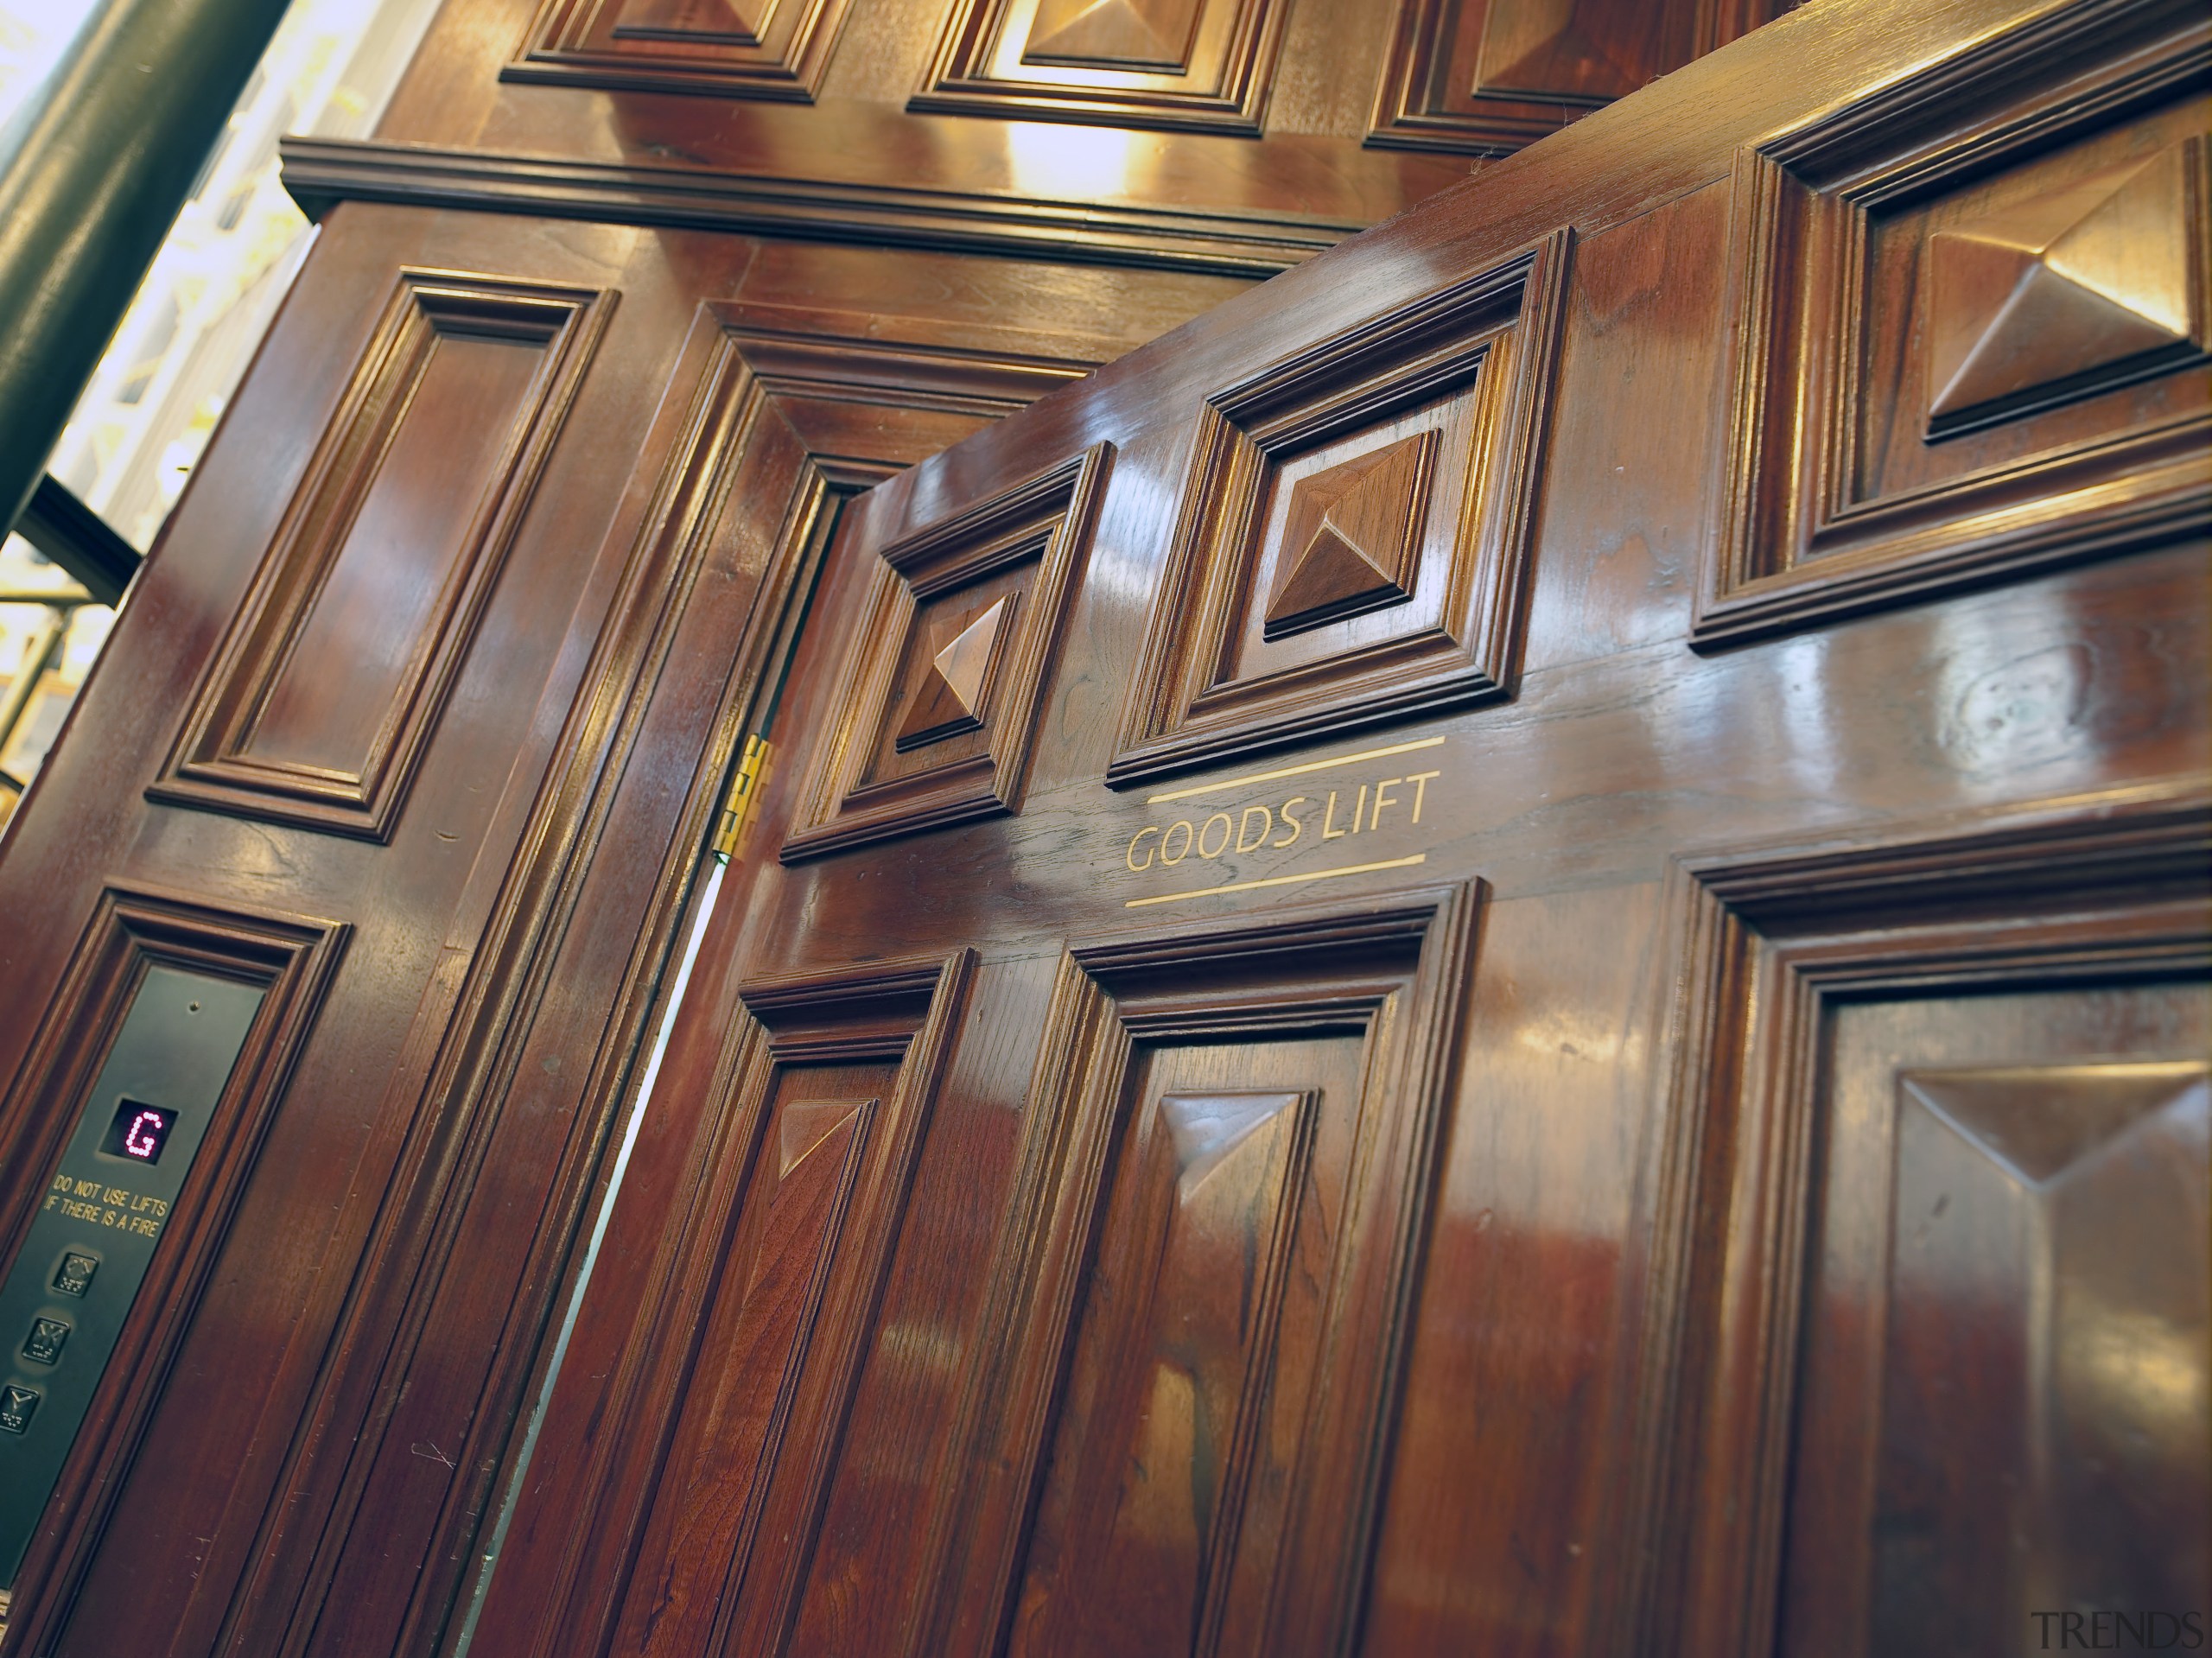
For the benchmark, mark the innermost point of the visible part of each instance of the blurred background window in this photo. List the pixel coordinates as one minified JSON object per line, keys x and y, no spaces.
{"x":142,"y":422}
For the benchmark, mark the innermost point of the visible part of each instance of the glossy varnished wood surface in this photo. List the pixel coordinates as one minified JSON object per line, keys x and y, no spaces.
{"x":1411,"y":1260}
{"x":347,"y":1338}
{"x":1538,"y":1440}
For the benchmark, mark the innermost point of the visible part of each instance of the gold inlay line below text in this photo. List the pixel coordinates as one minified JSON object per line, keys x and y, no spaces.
{"x":1277,"y":880}
{"x":1294,"y":771}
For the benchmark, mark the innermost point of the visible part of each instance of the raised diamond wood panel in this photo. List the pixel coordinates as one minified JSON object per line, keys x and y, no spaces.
{"x":1199,"y":65}
{"x":773,"y":49}
{"x":2082,"y":283}
{"x":1136,"y":1546}
{"x":1348,"y":542}
{"x":1484,"y":77}
{"x":947,"y":674}
{"x":949,"y":697}
{"x":1943,"y":1188}
{"x":1964,"y":358}
{"x":831,"y":1081}
{"x":1352,"y":540}
{"x":1201,"y":1290}
{"x":1114,"y":34}
{"x":2048,"y":1302}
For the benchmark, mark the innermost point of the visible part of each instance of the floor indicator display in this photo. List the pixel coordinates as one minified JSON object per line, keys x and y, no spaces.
{"x":64,"y":1300}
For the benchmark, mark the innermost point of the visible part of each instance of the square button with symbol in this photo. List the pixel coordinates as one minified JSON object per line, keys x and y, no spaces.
{"x":43,"y":1345}
{"x":74,"y":1275}
{"x":17,"y":1407}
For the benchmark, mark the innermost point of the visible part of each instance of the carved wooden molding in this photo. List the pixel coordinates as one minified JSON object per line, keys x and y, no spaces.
{"x":223,"y":760}
{"x":2105,"y":889}
{"x":775,"y":49}
{"x":1388,"y":973}
{"x":791,"y":363}
{"x":1190,"y":66}
{"x":732,"y":464}
{"x":322,"y":172}
{"x":1922,"y":397}
{"x":1419,"y":433}
{"x":1485,"y":77}
{"x":951,"y":659}
{"x":893,"y":1021}
{"x":293,"y":959}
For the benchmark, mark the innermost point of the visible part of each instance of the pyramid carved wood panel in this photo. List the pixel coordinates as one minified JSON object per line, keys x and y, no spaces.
{"x":1943,"y":1239}
{"x":1484,"y":77}
{"x":1350,"y":546}
{"x":1201,"y":65}
{"x":1114,"y":34}
{"x":830,"y":1081}
{"x":1953,"y":352}
{"x":774,"y":49}
{"x":949,"y":669}
{"x":1201,"y":1286}
{"x":2063,"y":294}
{"x":1347,"y":542}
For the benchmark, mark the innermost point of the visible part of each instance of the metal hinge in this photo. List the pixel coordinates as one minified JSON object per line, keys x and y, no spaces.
{"x":744,"y":790}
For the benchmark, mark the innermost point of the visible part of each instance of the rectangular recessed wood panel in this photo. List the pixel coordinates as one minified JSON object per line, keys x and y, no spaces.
{"x":2020,"y":1426}
{"x":1946,"y":1346}
{"x":1201,"y":1293}
{"x":367,"y":632}
{"x":1194,"y":1358}
{"x":772,"y":1294}
{"x":320,"y":700}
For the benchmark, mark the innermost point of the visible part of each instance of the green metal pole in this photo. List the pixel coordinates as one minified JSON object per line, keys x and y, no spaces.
{"x":106,"y":157}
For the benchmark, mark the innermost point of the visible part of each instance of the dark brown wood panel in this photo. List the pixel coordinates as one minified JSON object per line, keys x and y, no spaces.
{"x":1198,"y":65}
{"x":291,"y":959}
{"x":832,"y":1082}
{"x":1247,"y":1181}
{"x":1972,"y":330}
{"x":319,"y":705}
{"x":731,"y":48}
{"x":1353,"y":539}
{"x":1896,"y":1055}
{"x":950,"y":659}
{"x":1252,"y":1272}
{"x":1485,"y":77}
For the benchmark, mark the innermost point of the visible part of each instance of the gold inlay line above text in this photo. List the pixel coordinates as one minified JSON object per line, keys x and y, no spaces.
{"x":1285,"y":881}
{"x":1294,"y":771}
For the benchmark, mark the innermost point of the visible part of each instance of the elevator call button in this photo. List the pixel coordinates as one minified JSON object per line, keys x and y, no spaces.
{"x":17,"y":1407}
{"x":74,"y":1275}
{"x":43,"y":1345}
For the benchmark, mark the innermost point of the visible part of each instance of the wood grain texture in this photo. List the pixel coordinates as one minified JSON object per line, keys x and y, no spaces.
{"x":1465,"y":373}
{"x":1478,"y":1435}
{"x":1485,"y":77}
{"x":404,"y":520}
{"x":778,"y":51}
{"x":1886,"y":443}
{"x":1234,"y":241}
{"x":1193,"y":66}
{"x":292,"y":958}
{"x":1358,"y":1001}
{"x":727,"y":1450}
{"x":1016,"y":558}
{"x":1783,"y":1153}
